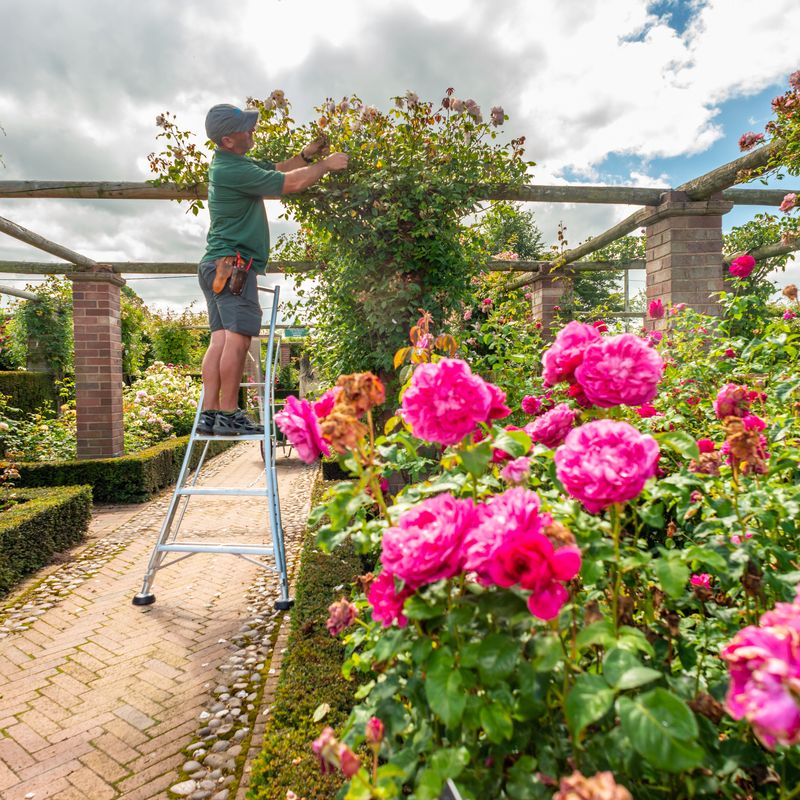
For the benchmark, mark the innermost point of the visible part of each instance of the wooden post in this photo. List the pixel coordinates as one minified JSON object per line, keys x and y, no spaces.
{"x":684,"y":253}
{"x":98,"y":362}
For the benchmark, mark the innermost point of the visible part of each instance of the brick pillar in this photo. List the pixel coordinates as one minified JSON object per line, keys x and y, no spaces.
{"x":684,"y":253}
{"x":98,"y":362}
{"x":546,"y":293}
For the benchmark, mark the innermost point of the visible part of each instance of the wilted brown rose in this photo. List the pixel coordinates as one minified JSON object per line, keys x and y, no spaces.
{"x":751,"y":580}
{"x":790,"y":291}
{"x":706,"y":463}
{"x":365,"y":581}
{"x":747,"y":453}
{"x":601,"y":786}
{"x":706,"y":705}
{"x":559,"y":534}
{"x":342,"y":430}
{"x":361,"y":391}
{"x":592,"y":613}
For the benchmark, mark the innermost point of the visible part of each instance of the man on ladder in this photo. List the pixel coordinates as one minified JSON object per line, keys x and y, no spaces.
{"x":238,"y":249}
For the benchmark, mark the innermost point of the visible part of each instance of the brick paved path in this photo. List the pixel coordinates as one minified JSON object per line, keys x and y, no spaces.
{"x":98,"y":698}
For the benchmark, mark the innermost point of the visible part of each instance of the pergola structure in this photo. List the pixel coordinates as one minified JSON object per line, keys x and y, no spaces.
{"x":684,"y":263}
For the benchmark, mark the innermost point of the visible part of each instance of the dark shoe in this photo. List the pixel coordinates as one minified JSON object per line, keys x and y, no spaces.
{"x":205,"y":425}
{"x":236,"y":424}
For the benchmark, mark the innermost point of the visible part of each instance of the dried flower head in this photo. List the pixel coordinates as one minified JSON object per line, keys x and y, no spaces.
{"x":601,"y":786}
{"x":361,"y":391}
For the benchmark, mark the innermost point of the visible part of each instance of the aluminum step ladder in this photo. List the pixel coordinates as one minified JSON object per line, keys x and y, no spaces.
{"x":167,"y":538}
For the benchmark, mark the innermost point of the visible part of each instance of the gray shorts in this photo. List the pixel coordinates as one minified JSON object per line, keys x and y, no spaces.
{"x":230,"y":312}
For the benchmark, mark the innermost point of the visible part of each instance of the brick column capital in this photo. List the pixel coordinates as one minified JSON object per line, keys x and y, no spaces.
{"x":99,"y":273}
{"x":678,"y":204}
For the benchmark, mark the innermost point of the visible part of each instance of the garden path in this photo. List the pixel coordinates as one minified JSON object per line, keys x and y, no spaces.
{"x":100,"y":699}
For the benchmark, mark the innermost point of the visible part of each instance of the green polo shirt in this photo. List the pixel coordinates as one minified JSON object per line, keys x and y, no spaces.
{"x":236,"y":188}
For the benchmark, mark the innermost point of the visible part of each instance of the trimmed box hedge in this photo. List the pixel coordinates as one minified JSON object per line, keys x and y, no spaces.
{"x":28,"y":391}
{"x":311,"y":674}
{"x":127,"y":479}
{"x":43,"y":523}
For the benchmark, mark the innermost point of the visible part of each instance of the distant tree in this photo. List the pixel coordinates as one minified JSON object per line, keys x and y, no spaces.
{"x":508,"y":229}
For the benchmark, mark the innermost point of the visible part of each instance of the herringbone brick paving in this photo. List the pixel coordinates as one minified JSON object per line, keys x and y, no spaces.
{"x":98,"y":698}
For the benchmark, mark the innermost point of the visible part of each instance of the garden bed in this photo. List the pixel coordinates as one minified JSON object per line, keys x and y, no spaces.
{"x":311,"y":676}
{"x":36,"y":525}
{"x":127,"y":479}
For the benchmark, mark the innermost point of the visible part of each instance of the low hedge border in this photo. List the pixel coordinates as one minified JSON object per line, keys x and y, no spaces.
{"x":311,"y":675}
{"x":127,"y":479}
{"x":32,"y":532}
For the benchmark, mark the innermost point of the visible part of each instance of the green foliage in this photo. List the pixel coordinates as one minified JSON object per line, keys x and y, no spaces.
{"x":27,"y":391}
{"x":128,"y":479}
{"x":135,"y":322}
{"x":179,"y":338}
{"x":507,"y":229}
{"x":42,"y":328}
{"x":310,"y":676}
{"x":9,"y":357}
{"x":36,"y":525}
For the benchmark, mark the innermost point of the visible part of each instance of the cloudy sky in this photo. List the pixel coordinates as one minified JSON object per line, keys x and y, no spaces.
{"x":606,"y":91}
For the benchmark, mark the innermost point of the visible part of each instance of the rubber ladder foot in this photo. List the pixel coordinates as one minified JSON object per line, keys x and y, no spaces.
{"x":143,"y":599}
{"x":284,"y":605}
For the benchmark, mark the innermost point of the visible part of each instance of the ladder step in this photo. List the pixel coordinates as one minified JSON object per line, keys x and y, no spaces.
{"x":235,"y":549}
{"x":250,"y":437}
{"x":221,"y":490}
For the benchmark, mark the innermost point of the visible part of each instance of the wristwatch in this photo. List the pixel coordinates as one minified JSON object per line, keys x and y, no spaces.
{"x":305,"y":157}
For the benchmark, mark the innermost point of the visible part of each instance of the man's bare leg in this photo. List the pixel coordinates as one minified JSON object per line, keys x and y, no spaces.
{"x":231,"y":367}
{"x":211,"y":371}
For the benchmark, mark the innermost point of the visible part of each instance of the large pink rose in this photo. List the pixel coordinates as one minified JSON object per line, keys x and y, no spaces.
{"x":566,"y":352}
{"x":605,"y":462}
{"x":300,"y":425}
{"x":426,"y":543}
{"x":515,"y":509}
{"x":551,"y":428}
{"x":386,"y":601}
{"x":509,"y":548}
{"x":498,"y":409}
{"x":445,"y":401}
{"x":764,"y":664}
{"x":620,"y":370}
{"x":324,"y":405}
{"x":742,"y":267}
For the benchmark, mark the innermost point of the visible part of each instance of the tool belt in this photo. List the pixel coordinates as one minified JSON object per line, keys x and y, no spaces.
{"x":233,"y":270}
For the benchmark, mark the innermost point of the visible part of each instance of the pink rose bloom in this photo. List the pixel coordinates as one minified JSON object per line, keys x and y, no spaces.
{"x":386,"y":601}
{"x":703,"y":580}
{"x":729,"y":353}
{"x":705,"y":445}
{"x":736,"y":539}
{"x":566,"y":352}
{"x":498,"y":408}
{"x":498,"y":115}
{"x":576,"y":392}
{"x":374,"y":731}
{"x":486,"y":303}
{"x":742,"y":267}
{"x":620,"y":370}
{"x":605,"y":462}
{"x":324,"y":405}
{"x":498,"y":455}
{"x":425,"y":545}
{"x":514,"y":509}
{"x":764,"y":665}
{"x":531,"y":404}
{"x":647,"y":410}
{"x":445,"y":401}
{"x":752,"y":422}
{"x":300,"y":425}
{"x":789,"y":315}
{"x":655,"y":337}
{"x":749,"y":140}
{"x":732,"y":401}
{"x":552,"y":427}
{"x":655,"y":309}
{"x":516,"y":471}
{"x":468,"y":315}
{"x":794,"y":80}
{"x":789,"y":202}
{"x":677,"y":308}
{"x":600,"y":325}
{"x":349,"y":762}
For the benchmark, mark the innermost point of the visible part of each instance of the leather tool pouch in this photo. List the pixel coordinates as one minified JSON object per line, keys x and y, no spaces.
{"x":223,"y":273}
{"x":239,"y":278}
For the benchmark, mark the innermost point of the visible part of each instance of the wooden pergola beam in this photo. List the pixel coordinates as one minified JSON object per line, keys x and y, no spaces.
{"x":614,"y":195}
